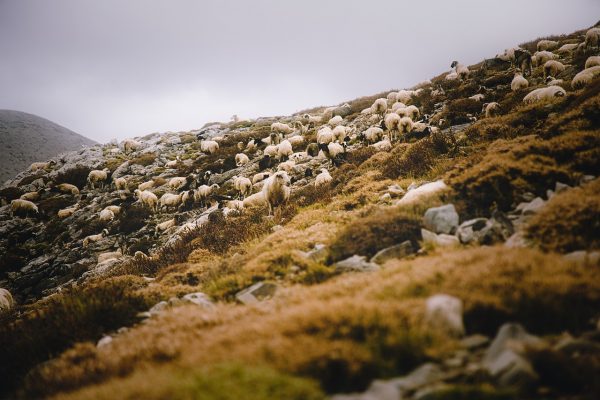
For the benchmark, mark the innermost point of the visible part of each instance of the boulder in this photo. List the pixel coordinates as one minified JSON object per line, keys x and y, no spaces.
{"x":257,"y":292}
{"x":443,"y":313}
{"x":534,"y":206}
{"x":199,"y":299}
{"x":466,"y":231}
{"x":401,"y":250}
{"x":355,"y":263}
{"x":443,"y":219}
{"x":442,"y":239}
{"x":422,"y":192}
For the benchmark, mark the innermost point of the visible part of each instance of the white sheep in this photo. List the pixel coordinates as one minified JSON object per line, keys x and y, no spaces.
{"x":67,"y":212}
{"x":299,"y":156}
{"x":281,"y":128}
{"x":106,"y":215}
{"x":373,"y":134}
{"x":323,"y":178}
{"x":287,"y":166}
{"x":147,"y":198}
{"x":31,"y":196}
{"x":461,"y":70}
{"x":406,"y":125}
{"x":451,"y":76}
{"x":276,"y":190}
{"x":567,"y":48}
{"x":202,"y":194}
{"x":259,"y":177}
{"x":251,"y":146}
{"x":94,"y":238}
{"x":382,"y":145}
{"x":398,"y":105}
{"x":270,"y":150}
{"x":41,"y":165}
{"x":477,"y":97}
{"x":325,"y":135}
{"x":550,"y":81}
{"x":379,"y":106}
{"x":120,"y":183}
{"x":311,"y":119}
{"x":546,"y":45}
{"x":209,"y":146}
{"x":585,"y":77}
{"x":131,"y":145}
{"x":255,"y":200}
{"x":284,"y":149}
{"x":340,"y":133}
{"x":540,"y":57}
{"x":97,"y":176}
{"x":68,"y":188}
{"x":146,"y":185}
{"x":241,"y":159}
{"x":392,"y":123}
{"x":592,"y":38}
{"x":553,"y":67}
{"x":170,"y":200}
{"x":404,"y":96}
{"x":335,"y":121}
{"x":296,"y":140}
{"x":592,"y":61}
{"x":164,"y":226}
{"x":176,"y":182}
{"x":391,"y":97}
{"x":109,"y":255}
{"x":243,"y":185}
{"x":19,"y":205}
{"x":491,"y":109}
{"x":545,"y":93}
{"x":518,"y":82}
{"x":6,"y":301}
{"x":412,"y":112}
{"x":115,"y":209}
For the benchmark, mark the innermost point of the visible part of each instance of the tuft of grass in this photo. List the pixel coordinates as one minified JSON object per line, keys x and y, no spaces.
{"x":144,"y":159}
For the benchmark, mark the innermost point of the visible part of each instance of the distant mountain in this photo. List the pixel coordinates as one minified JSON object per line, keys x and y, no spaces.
{"x":26,"y":138}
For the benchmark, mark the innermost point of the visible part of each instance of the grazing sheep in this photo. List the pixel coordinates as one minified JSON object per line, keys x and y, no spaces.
{"x":170,"y":200}
{"x":187,"y":200}
{"x":172,"y":163}
{"x":391,"y":97}
{"x":296,"y":140}
{"x":284,"y":150}
{"x":97,"y":176}
{"x":259,"y":177}
{"x":553,"y":67}
{"x":67,"y":212}
{"x":379,"y":106}
{"x":311,"y":120}
{"x":299,"y":156}
{"x":491,"y":109}
{"x":373,"y":134}
{"x":477,"y":97}
{"x":550,"y":81}
{"x":68,"y":189}
{"x":6,"y":301}
{"x":404,"y":96}
{"x":541,"y":57}
{"x":518,"y":82}
{"x":265,"y":162}
{"x":251,"y":146}
{"x":147,"y":198}
{"x":585,"y":77}
{"x":243,"y":185}
{"x":202,"y":194}
{"x":120,"y":183}
{"x":398,"y":105}
{"x":392,"y":124}
{"x":382,"y":145}
{"x":164,"y":226}
{"x":312,"y":149}
{"x":567,"y":48}
{"x":546,"y":45}
{"x":20,"y":205}
{"x":94,"y":238}
{"x":335,"y":152}
{"x":452,"y":76}
{"x":130,"y":145}
{"x":176,"y":182}
{"x":340,"y":133}
{"x":270,"y":150}
{"x":461,"y":70}
{"x":323,"y":178}
{"x":109,"y":255}
{"x":146,"y":185}
{"x":106,"y":215}
{"x":41,"y":165}
{"x":287,"y":166}
{"x":255,"y":200}
{"x":241,"y":159}
{"x":523,"y":60}
{"x":592,"y":38}
{"x":545,"y":93}
{"x":279,"y":127}
{"x":592,"y":61}
{"x":412,"y":112}
{"x":209,"y":146}
{"x":335,"y":121}
{"x":325,"y":135}
{"x":276,"y":190}
{"x":274,"y":138}
{"x":115,"y":209}
{"x":31,"y":196}
{"x":406,"y":125}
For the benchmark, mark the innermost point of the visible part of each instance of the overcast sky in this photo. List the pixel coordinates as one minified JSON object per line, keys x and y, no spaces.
{"x":121,"y":68}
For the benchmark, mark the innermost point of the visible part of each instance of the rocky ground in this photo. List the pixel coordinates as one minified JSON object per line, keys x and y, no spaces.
{"x":460,"y":262}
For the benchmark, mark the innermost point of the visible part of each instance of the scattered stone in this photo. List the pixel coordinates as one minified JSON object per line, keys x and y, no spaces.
{"x":425,"y":375}
{"x":583,"y":257}
{"x":385,"y":198}
{"x":437,"y":391}
{"x":175,"y":302}
{"x":586,"y":178}
{"x":443,"y":313}
{"x":199,"y":299}
{"x":466,"y":231}
{"x":549,"y":194}
{"x":442,"y":239}
{"x":398,"y":251}
{"x":355,"y":263}
{"x":276,"y":228}
{"x":422,"y":192}
{"x":443,"y":219}
{"x":257,"y":292}
{"x":561,"y":187}
{"x":474,"y":341}
{"x":517,"y":240}
{"x":534,"y":206}
{"x":158,"y":308}
{"x":318,"y":253}
{"x":396,"y":190}
{"x":104,"y":341}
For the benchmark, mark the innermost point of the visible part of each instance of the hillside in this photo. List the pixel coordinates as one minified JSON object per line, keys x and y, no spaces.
{"x":26,"y":138}
{"x":459,"y":260}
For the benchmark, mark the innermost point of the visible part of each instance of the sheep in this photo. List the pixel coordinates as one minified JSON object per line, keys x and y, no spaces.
{"x":120,"y":183}
{"x":340,"y":133}
{"x":523,"y":60}
{"x":398,"y":105}
{"x":270,"y":150}
{"x":412,"y":112}
{"x":6,"y":301}
{"x":94,"y":238}
{"x":147,"y":198}
{"x":241,"y":159}
{"x":274,"y":138}
{"x":164,"y":226}
{"x":567,"y":48}
{"x":109,"y":255}
{"x":287,"y":166}
{"x":311,"y":120}
{"x":115,"y":209}
{"x":392,"y":123}
{"x":585,"y":77}
{"x":296,"y":140}
{"x":382,"y":145}
{"x":97,"y":176}
{"x":546,"y":45}
{"x":335,"y":121}
{"x":146,"y":185}
{"x":550,"y":81}
{"x":170,"y":200}
{"x":553,"y":67}
{"x":67,"y":212}
{"x":177,"y":182}
{"x":477,"y":97}
{"x":545,"y":93}
{"x":334,"y":151}
{"x":41,"y":165}
{"x":312,"y":149}
{"x":284,"y":150}
{"x":202,"y":194}
{"x":259,"y":177}
{"x":243,"y":185}
{"x":491,"y":109}
{"x":406,"y":125}
{"x":323,"y":178}
{"x":68,"y":189}
{"x":450,"y":77}
{"x":19,"y":205}
{"x":187,"y":199}
{"x":541,"y":57}
{"x":592,"y":61}
{"x":299,"y":156}
{"x":592,"y":38}
{"x":379,"y":106}
{"x":31,"y":196}
{"x":251,"y":146}
{"x":404,"y":96}
{"x":461,"y":70}
{"x":325,"y":135}
{"x":265,"y":162}
{"x":279,"y":127}
{"x":106,"y":216}
{"x":209,"y":146}
{"x":373,"y":134}
{"x":391,"y":97}
{"x":255,"y":200}
{"x":518,"y":82}
{"x":276,"y":190}
{"x":131,"y":145}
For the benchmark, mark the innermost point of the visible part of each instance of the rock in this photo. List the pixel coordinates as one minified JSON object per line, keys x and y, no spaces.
{"x":517,"y":240}
{"x":466,"y":231}
{"x":425,"y":375}
{"x":257,"y":292}
{"x":198,"y":298}
{"x":534,"y":206}
{"x":104,"y":341}
{"x":549,"y":194}
{"x":474,"y":341}
{"x":276,"y":228}
{"x":355,"y":263}
{"x":528,"y":196}
{"x":158,"y":308}
{"x":317,"y":254}
{"x":435,"y":392}
{"x":395,"y":190}
{"x":442,"y":239}
{"x":422,"y":192}
{"x":561,"y":187}
{"x":444,"y":313}
{"x":175,"y":302}
{"x":394,"y":252}
{"x":443,"y":219}
{"x":385,"y":198}
{"x":586,"y":178}
{"x":583,"y":257}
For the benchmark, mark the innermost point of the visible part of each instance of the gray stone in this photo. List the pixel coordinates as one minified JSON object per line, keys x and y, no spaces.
{"x":517,"y":240}
{"x":426,"y":374}
{"x":583,"y":257}
{"x":561,"y":187}
{"x":474,"y":341}
{"x":394,"y":252}
{"x":466,"y":230}
{"x":534,"y":206}
{"x":549,"y":194}
{"x":586,"y":178}
{"x":437,"y":391}
{"x":355,"y":263}
{"x":574,"y":346}
{"x":317,"y":254}
{"x":443,"y":313}
{"x":528,"y":196}
{"x":106,"y":340}
{"x":158,"y":308}
{"x":199,"y":299}
{"x":396,"y":190}
{"x":257,"y":292}
{"x":443,"y":219}
{"x":442,"y":239}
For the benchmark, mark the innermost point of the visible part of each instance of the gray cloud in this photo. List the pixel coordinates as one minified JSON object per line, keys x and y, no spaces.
{"x":124,"y":68}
